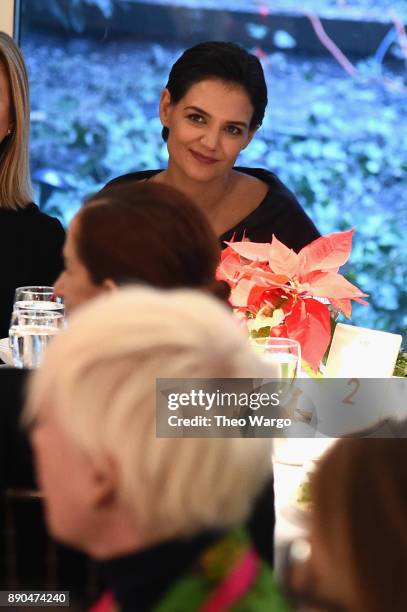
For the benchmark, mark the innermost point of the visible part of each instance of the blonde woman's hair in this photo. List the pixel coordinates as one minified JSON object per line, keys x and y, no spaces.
{"x":15,"y":181}
{"x":99,"y":377}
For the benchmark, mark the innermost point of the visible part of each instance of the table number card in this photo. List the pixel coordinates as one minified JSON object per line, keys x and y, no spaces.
{"x":346,"y":406}
{"x":362,"y":353}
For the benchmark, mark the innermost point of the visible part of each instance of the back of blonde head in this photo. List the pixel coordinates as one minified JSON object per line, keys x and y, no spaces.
{"x":100,"y":375}
{"x":15,"y":182}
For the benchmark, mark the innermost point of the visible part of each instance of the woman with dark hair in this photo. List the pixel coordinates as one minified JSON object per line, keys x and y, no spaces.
{"x":139,"y":232}
{"x":210,"y":109}
{"x":30,"y":240}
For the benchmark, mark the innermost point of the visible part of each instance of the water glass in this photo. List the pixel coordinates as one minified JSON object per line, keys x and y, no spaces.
{"x":30,"y":333}
{"x":37,"y":298}
{"x":281,"y":353}
{"x":285,"y":355}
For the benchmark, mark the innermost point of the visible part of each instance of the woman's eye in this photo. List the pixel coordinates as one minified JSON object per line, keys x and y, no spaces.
{"x":234,"y":130}
{"x":196,"y":118}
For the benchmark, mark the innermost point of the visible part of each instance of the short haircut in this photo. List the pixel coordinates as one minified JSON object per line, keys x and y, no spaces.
{"x":99,"y":377}
{"x":150,"y":233}
{"x":224,"y":61}
{"x":15,"y":181}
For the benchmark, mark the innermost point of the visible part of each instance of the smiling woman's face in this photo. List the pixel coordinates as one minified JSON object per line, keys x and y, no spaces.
{"x":5,"y":106}
{"x":208,"y":128}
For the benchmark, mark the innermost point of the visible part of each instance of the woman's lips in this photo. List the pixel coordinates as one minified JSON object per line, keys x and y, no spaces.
{"x":203,"y":159}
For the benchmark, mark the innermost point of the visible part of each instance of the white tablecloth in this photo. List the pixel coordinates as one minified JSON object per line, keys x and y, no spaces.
{"x":289,"y":522}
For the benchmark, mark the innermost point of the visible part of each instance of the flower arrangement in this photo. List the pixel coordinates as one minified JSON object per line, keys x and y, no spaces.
{"x":283,"y":293}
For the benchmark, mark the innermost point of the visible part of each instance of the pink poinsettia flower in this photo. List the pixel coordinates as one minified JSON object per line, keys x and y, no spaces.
{"x":271,"y":282}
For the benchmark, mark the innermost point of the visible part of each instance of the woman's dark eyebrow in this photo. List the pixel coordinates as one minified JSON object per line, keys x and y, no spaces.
{"x":202,"y":112}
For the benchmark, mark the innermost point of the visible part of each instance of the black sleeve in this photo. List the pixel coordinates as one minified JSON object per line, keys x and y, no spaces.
{"x":285,"y":218}
{"x":37,"y":261}
{"x":294,"y":227}
{"x":50,"y":246}
{"x":279,"y":214}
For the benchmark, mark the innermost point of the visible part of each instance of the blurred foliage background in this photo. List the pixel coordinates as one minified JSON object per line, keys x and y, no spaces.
{"x":333,"y":130}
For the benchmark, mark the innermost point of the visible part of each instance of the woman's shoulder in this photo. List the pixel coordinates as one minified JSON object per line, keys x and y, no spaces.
{"x":40,"y":240}
{"x":275,"y":186}
{"x":32,"y":218}
{"x":279,"y":213}
{"x":142,"y":175}
{"x":33,"y":242}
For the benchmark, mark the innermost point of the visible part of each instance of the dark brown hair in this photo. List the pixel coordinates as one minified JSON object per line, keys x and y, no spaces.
{"x":219,"y":60}
{"x":150,"y":233}
{"x":360,"y":518}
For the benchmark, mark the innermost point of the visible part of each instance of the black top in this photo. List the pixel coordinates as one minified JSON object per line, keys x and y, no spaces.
{"x":31,"y":252}
{"x":278,"y":213}
{"x":140,"y":580}
{"x":15,"y":453}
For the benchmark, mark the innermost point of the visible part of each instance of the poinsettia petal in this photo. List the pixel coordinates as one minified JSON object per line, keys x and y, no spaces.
{"x":282,"y":260}
{"x":331,"y":285}
{"x":255,"y":298}
{"x":229,"y":269}
{"x":360,"y":301}
{"x":344,"y":305}
{"x":254,"y":251}
{"x":310,"y":324}
{"x":270,"y":276}
{"x":226,"y":252}
{"x":270,"y":279}
{"x":239,"y":295}
{"x":279,"y":331}
{"x":326,"y":253}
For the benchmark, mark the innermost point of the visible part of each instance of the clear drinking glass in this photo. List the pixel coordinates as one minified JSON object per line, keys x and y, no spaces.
{"x":30,"y":333}
{"x":37,"y":298}
{"x":283,"y":353}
